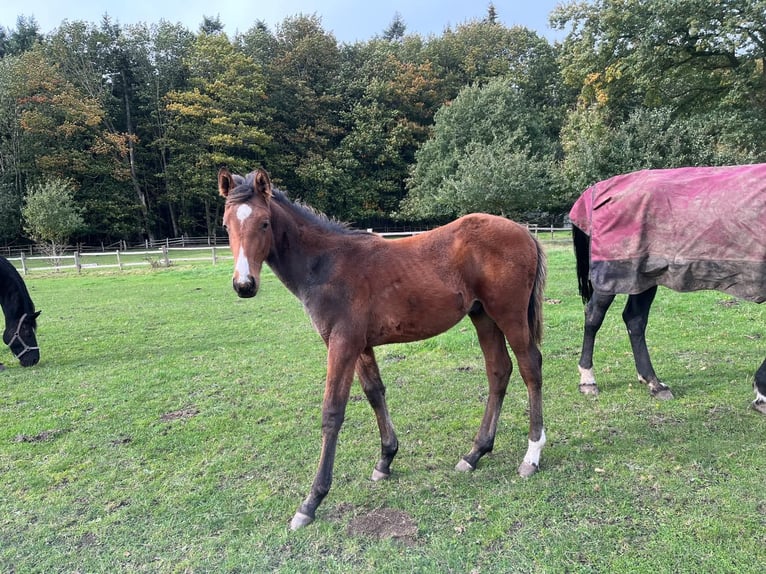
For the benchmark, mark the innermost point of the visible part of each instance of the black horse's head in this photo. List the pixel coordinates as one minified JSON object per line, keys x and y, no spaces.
{"x":21,"y":339}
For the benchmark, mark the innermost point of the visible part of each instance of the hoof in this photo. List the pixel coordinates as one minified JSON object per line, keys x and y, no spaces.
{"x":378,"y":475}
{"x":759,"y":406}
{"x":463,"y":466}
{"x":662,"y":394}
{"x":527,"y":469}
{"x":589,"y":389}
{"x":300,"y":520}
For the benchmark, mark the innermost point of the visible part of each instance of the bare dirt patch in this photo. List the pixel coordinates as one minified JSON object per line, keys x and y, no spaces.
{"x":185,"y":413}
{"x":39,"y":437}
{"x":385,"y":523}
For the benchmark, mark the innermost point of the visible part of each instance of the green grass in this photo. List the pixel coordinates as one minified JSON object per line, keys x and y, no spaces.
{"x":171,"y":427}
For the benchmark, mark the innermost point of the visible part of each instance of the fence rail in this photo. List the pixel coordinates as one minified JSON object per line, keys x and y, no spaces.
{"x":168,"y":252}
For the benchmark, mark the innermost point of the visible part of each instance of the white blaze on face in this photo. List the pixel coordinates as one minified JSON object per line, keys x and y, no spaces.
{"x":243,"y":267}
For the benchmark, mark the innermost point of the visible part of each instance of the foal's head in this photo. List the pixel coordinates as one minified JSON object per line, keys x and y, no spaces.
{"x":247,"y":220}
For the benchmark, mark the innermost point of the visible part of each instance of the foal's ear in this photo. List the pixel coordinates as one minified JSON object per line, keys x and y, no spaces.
{"x":262,"y":183}
{"x":225,"y":182}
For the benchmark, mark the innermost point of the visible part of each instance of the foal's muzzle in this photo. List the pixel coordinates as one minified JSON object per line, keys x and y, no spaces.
{"x":247,"y":289}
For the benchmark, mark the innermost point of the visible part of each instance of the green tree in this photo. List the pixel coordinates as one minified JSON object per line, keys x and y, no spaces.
{"x":302,"y":73}
{"x":652,"y":138}
{"x":388,"y":99}
{"x":477,"y":51}
{"x":10,"y":213}
{"x":51,"y":215}
{"x":396,"y":29}
{"x":490,"y":151}
{"x":23,"y":38}
{"x":216,"y":121}
{"x":662,"y":83}
{"x":65,"y":136}
{"x":11,"y":148}
{"x":691,"y":54}
{"x":155,"y":63}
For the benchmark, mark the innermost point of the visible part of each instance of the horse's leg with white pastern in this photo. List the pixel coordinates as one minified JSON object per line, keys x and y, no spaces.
{"x":498,"y":367}
{"x":530,"y":363}
{"x":595,"y":311}
{"x":372,"y":384}
{"x":636,"y":317}
{"x":340,"y":375}
{"x":759,"y":386}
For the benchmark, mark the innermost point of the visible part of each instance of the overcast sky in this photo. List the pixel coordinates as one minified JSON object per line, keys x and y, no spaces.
{"x":348,"y":20}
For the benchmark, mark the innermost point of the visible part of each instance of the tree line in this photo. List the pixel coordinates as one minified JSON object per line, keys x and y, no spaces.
{"x":118,"y":130}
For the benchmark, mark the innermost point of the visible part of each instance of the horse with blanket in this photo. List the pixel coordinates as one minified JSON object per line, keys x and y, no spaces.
{"x":687,"y":229}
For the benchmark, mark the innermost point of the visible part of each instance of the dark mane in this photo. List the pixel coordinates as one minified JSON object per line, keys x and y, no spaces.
{"x":14,"y":296}
{"x":245,"y":190}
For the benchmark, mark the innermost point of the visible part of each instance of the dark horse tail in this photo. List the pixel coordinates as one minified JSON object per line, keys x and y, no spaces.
{"x":581,"y":242}
{"x":535,"y":311}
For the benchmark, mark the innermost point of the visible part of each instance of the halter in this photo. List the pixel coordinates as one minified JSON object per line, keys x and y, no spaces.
{"x":17,"y":336}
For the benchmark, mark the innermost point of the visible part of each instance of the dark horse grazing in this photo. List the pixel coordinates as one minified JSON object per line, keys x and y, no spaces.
{"x":361,"y":290}
{"x":687,"y":229}
{"x":20,"y":316}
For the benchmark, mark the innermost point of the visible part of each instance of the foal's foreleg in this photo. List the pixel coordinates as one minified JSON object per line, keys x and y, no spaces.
{"x":340,"y":374}
{"x":372,"y":384}
{"x":498,"y":366}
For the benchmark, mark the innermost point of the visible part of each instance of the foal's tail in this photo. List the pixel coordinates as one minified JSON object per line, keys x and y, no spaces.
{"x":581,"y":242}
{"x":535,"y":309}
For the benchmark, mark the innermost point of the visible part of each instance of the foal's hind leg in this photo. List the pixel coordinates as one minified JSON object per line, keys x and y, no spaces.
{"x":530,"y":363}
{"x":498,"y":366}
{"x":759,"y":386}
{"x":369,"y":375}
{"x":636,"y":317}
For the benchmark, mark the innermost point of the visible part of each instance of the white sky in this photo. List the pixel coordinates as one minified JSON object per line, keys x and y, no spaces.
{"x":348,"y":20}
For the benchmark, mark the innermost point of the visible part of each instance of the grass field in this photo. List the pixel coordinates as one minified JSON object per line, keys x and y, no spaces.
{"x":171,"y":427}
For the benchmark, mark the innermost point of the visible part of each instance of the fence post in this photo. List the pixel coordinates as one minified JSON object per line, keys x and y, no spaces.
{"x":165,"y":255}
{"x":215,"y":259}
{"x":119,"y":260}
{"x":23,"y":262}
{"x":77,"y":261}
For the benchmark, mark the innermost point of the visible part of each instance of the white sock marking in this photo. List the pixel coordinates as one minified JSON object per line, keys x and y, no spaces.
{"x":533,"y":452}
{"x":586,"y":376}
{"x":759,"y":398}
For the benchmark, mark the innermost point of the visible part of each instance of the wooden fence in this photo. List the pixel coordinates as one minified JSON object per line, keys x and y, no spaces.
{"x":172,"y":251}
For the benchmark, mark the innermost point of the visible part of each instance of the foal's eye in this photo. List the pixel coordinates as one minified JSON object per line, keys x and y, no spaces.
{"x":264,"y":225}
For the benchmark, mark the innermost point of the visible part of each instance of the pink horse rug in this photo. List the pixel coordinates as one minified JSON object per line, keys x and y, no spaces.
{"x":687,"y":229}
